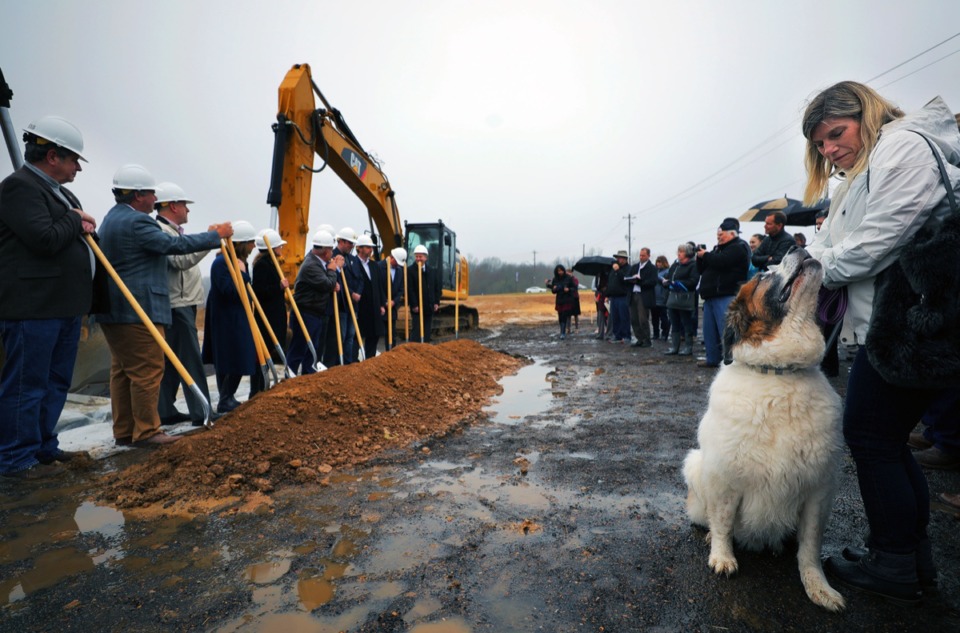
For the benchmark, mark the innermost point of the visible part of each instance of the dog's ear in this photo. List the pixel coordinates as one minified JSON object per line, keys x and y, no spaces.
{"x":736,"y":324}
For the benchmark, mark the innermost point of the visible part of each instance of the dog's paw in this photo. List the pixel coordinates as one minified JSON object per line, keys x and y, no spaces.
{"x":723,"y":564}
{"x":827,"y":597}
{"x":820,"y":592}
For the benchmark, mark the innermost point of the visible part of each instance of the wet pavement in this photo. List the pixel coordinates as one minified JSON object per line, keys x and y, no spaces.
{"x":561,"y":510}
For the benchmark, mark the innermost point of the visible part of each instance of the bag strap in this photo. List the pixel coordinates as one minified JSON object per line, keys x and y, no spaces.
{"x":943,"y":172}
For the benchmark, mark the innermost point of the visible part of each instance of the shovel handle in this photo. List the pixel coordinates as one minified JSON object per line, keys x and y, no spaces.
{"x":293,"y":304}
{"x":168,"y":352}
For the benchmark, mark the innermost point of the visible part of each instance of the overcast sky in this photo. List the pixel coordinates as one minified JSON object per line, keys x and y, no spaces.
{"x":525,"y":125}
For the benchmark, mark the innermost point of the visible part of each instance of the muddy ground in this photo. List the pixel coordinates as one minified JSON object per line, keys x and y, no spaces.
{"x":560,"y":508}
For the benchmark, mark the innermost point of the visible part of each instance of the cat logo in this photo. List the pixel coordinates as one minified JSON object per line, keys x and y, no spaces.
{"x":355,"y":161}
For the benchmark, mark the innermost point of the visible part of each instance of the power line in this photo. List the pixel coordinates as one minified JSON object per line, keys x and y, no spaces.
{"x":704,"y":182}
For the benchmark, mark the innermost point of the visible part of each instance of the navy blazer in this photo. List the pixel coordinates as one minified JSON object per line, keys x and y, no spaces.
{"x":45,"y":264}
{"x":137,"y":247}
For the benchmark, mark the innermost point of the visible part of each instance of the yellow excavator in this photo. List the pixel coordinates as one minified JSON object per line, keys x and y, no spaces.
{"x":301,"y":133}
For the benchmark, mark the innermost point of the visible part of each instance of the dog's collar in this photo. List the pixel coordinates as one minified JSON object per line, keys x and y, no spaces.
{"x":779,"y":371}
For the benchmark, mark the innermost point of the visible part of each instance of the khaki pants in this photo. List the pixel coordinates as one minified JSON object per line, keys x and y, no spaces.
{"x":135,"y":374}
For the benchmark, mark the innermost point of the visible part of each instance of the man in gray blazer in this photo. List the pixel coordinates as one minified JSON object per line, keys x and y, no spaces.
{"x":45,"y":289}
{"x":137,"y":247}
{"x":186,"y":293}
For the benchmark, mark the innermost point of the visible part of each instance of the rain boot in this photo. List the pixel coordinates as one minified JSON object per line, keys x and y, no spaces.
{"x":674,"y":345}
{"x":687,"y":349}
{"x":892,"y":577}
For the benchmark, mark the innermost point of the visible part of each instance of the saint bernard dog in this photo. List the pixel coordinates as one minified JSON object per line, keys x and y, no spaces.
{"x":770,"y":441}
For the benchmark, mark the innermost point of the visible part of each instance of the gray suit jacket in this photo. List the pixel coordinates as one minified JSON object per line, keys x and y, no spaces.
{"x":137,"y":247}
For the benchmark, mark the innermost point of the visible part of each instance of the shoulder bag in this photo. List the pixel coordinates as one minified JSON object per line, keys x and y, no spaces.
{"x":914,"y":335}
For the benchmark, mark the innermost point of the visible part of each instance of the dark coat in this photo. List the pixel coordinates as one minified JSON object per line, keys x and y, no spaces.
{"x":684,"y":273}
{"x":45,"y":262}
{"x":431,"y":289}
{"x":564,"y":288}
{"x":372,"y":299}
{"x":136,"y":246}
{"x":313,"y":289}
{"x":772,"y":246}
{"x":616,"y":286}
{"x":724,"y":269}
{"x":648,"y":282}
{"x":266,"y":285}
{"x":396,"y":285}
{"x":354,"y":275}
{"x":227,"y":340}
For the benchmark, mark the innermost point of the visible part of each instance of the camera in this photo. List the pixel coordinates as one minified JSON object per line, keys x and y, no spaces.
{"x":701,"y":247}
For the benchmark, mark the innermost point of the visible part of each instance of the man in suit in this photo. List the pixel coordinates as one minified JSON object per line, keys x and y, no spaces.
{"x":372,"y":305}
{"x":643,"y":277}
{"x":186,"y":293}
{"x":346,"y":238}
{"x":313,"y":292}
{"x":137,"y":247}
{"x":421,"y":280}
{"x":392,"y":265}
{"x":45,"y":289}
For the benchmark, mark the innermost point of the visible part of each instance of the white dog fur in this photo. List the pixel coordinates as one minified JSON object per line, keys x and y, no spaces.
{"x":770,"y":440}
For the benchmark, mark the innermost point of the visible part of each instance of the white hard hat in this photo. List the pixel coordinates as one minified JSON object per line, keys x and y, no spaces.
{"x":399,"y":254}
{"x":134,"y":178}
{"x":58,"y":130}
{"x":171,"y":192}
{"x":346,"y":233}
{"x":328,"y":228}
{"x":243,"y":231}
{"x":272,"y":236}
{"x":420,"y":250}
{"x":364,"y":240}
{"x":323,"y":239}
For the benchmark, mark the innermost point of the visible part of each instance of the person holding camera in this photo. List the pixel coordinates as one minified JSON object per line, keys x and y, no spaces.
{"x":722,"y":271}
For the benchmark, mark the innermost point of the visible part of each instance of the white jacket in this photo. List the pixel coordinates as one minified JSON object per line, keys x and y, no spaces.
{"x":873,"y":216}
{"x":183,"y":275}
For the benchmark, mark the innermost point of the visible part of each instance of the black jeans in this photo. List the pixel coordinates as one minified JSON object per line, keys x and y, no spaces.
{"x":877,"y":420}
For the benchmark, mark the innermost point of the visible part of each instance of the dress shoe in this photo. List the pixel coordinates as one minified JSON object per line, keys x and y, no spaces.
{"x":641,"y":344}
{"x":176,"y":418}
{"x":123,"y":441}
{"x":61,"y":456}
{"x":918,"y":441}
{"x":157,"y":440}
{"x":227,"y":405}
{"x":892,"y":577}
{"x":37,"y":471}
{"x":951,"y":499}
{"x":934,"y":458}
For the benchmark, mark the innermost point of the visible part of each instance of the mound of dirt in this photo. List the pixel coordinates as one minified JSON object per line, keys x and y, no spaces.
{"x":304,"y":428}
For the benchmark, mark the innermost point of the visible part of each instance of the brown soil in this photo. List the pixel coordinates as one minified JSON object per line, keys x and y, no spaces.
{"x":525,"y":309}
{"x":304,"y":428}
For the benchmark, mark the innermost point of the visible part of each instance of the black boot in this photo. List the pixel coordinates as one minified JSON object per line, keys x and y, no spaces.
{"x":926,"y":570}
{"x":674,"y":345}
{"x":889,"y":576}
{"x":687,"y":349}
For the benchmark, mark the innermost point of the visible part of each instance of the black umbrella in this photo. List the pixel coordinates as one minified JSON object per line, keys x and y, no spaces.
{"x":797,"y":214}
{"x":594,"y":265}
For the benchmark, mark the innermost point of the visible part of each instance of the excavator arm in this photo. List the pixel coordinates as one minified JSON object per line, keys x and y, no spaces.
{"x":303,"y":132}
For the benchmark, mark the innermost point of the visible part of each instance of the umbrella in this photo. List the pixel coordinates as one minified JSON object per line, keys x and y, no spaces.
{"x":797,"y":214}
{"x":594,"y":265}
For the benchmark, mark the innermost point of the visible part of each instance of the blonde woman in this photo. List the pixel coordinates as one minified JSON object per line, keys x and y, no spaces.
{"x":890,"y":187}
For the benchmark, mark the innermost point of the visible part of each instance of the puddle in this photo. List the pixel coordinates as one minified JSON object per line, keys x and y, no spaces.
{"x":452,"y":625}
{"x":267,"y":573}
{"x":103,"y":520}
{"x":528,"y":392}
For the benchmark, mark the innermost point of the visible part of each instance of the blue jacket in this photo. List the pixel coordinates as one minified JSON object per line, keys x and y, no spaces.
{"x":137,"y":247}
{"x":227,"y":340}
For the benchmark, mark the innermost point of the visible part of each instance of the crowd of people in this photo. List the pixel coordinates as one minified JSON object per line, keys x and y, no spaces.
{"x":138,"y":277}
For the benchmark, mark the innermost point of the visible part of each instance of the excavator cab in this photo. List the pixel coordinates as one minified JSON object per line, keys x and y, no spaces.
{"x":445,"y":262}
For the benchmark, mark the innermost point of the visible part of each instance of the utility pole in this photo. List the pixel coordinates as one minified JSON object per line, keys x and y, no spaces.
{"x":630,"y":219}
{"x":534,"y":264}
